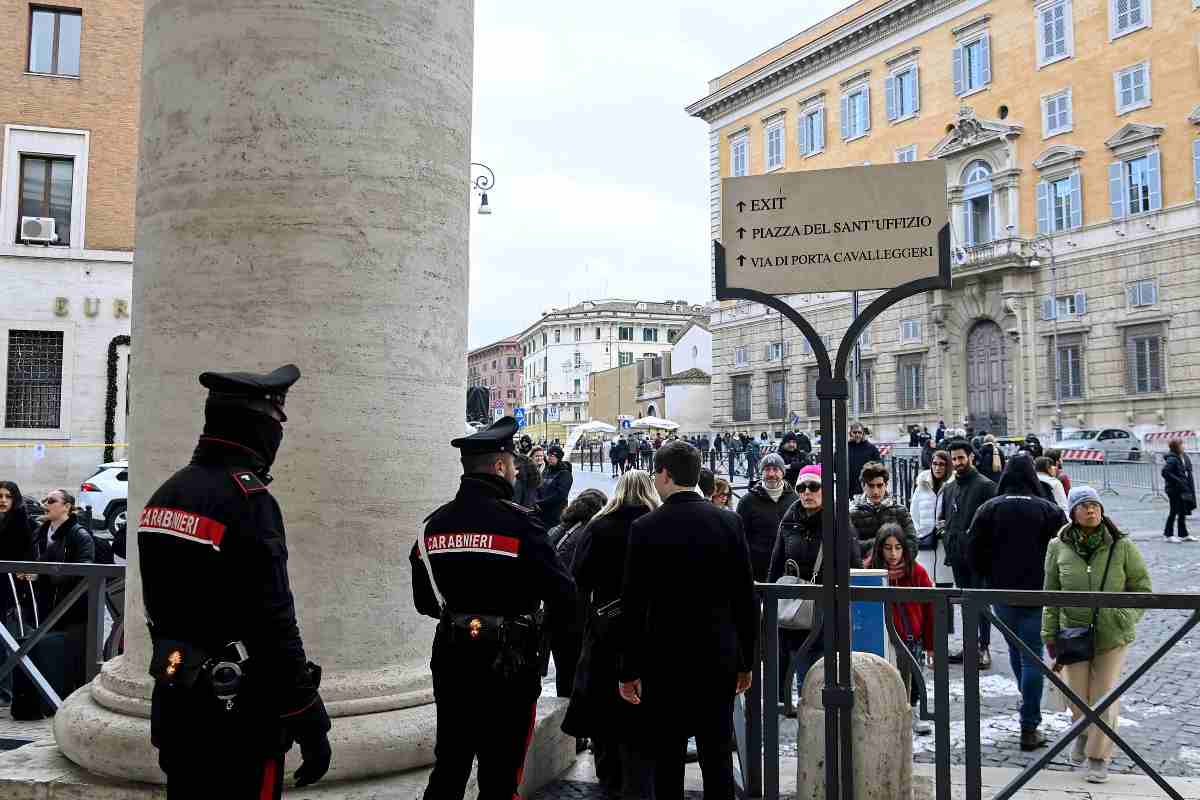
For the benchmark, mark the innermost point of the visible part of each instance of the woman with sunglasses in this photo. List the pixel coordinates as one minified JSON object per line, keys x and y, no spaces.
{"x":799,"y":540}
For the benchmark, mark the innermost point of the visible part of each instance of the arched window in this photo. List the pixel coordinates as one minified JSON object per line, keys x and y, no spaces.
{"x":978,"y":208}
{"x":651,"y":411}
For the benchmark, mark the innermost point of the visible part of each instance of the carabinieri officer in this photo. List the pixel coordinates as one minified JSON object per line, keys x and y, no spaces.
{"x":233,"y":689}
{"x":482,"y":568}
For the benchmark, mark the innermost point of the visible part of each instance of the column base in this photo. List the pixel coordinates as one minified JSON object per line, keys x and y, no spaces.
{"x":120,"y":746}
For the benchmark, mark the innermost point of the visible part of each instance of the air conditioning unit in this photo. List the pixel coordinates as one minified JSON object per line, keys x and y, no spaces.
{"x":38,"y":229}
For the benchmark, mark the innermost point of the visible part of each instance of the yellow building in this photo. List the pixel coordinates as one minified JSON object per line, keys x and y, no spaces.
{"x":1070,"y":131}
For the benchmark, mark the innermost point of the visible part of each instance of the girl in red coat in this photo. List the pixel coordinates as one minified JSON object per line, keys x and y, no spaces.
{"x":913,"y":621}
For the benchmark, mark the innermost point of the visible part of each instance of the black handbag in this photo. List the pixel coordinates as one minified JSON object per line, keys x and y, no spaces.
{"x":1076,"y":645}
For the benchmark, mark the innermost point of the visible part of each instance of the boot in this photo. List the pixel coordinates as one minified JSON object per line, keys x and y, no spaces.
{"x":1097,"y":770}
{"x":1079,"y":751}
{"x":1032,"y":739}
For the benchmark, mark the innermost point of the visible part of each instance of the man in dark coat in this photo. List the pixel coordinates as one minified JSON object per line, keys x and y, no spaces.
{"x":689,"y":623}
{"x":961,"y":498}
{"x":761,"y":509}
{"x":1006,"y":546}
{"x":481,"y":568}
{"x":860,"y":452}
{"x":794,"y":458}
{"x":213,"y":559}
{"x":555,"y":490}
{"x":876,"y":506}
{"x":529,"y":477}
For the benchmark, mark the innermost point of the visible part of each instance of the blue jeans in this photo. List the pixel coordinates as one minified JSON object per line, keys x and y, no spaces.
{"x":1026,"y":623}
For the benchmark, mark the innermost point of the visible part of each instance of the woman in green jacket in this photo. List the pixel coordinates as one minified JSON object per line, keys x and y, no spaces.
{"x":1075,"y":562}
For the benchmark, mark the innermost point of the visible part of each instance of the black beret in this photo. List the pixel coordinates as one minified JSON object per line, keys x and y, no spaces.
{"x":495,"y":438}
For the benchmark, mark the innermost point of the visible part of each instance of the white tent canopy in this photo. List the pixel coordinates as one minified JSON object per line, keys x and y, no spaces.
{"x":655,"y":422}
{"x":596,"y":426}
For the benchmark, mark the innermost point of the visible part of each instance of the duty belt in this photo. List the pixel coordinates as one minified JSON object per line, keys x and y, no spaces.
{"x":516,"y":631}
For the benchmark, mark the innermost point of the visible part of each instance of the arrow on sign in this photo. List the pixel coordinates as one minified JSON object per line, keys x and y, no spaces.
{"x":741,"y":232}
{"x":741,"y":206}
{"x":741,"y":260}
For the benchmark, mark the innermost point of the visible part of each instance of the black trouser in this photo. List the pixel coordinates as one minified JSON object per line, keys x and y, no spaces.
{"x":791,"y":660}
{"x":194,"y":774}
{"x":964,"y":578}
{"x":711,"y":722}
{"x":480,"y":715}
{"x":1178,"y":513}
{"x":565,"y":648}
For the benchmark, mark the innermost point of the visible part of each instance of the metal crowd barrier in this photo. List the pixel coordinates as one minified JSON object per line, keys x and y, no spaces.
{"x":758,"y":738}
{"x":1110,"y":476}
{"x":96,"y":587}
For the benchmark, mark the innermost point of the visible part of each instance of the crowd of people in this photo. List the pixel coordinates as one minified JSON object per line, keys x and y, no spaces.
{"x":977,"y":518}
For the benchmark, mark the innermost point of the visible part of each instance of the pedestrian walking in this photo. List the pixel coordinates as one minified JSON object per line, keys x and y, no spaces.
{"x":555,"y":490}
{"x":940,"y":434}
{"x":794,"y":458}
{"x":1091,"y":554}
{"x":761,"y":510}
{"x":913,"y":621}
{"x":876,"y":506}
{"x":754,"y":453}
{"x":1007,"y":544}
{"x":230,"y":671}
{"x":16,"y":544}
{"x":859,"y":452}
{"x":1180,"y":486}
{"x":1045,"y":474}
{"x":925,"y":507}
{"x":565,"y":538}
{"x":962,"y":498}
{"x":616,"y":728}
{"x":529,"y":474}
{"x":689,"y":623}
{"x":482,"y":568}
{"x":800,"y":541}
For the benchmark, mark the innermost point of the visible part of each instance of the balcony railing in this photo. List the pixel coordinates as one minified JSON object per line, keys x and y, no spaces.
{"x":988,"y":253}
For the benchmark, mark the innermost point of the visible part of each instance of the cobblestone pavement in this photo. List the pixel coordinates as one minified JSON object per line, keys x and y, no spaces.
{"x":1158,"y":715}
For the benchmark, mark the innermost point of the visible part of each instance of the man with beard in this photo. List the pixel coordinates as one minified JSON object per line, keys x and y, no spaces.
{"x":233,"y":689}
{"x":859,"y":453}
{"x":761,"y":509}
{"x":961,"y":498}
{"x":556,"y":487}
{"x":794,"y":458}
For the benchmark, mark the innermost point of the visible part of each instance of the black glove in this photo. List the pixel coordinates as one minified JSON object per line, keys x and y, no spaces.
{"x":315,"y":754}
{"x":309,"y":728}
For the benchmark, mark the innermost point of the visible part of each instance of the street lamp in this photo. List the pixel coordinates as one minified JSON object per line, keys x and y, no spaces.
{"x":482,"y":183}
{"x":1048,"y":241}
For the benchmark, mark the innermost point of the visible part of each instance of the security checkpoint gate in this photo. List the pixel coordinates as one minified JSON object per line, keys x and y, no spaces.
{"x":850,"y":229}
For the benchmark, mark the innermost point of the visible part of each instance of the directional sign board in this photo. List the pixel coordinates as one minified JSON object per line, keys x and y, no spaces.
{"x":835,"y":229}
{"x":519,"y":416}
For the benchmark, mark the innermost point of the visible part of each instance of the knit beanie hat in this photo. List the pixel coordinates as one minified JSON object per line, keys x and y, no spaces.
{"x":1083,"y":494}
{"x":773,"y":460}
{"x":811,"y":469}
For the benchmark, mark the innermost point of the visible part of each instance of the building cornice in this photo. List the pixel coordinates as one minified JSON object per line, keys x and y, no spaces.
{"x":834,"y":46}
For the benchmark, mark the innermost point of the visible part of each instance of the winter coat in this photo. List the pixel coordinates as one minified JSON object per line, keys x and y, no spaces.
{"x":1056,"y":489}
{"x":859,"y":454}
{"x":799,"y":540}
{"x":984,"y":462}
{"x":528,"y":481}
{"x":16,"y":544}
{"x":760,"y":519}
{"x":1178,"y":481}
{"x":867,"y":518}
{"x":924,"y":503}
{"x":1066,"y":570}
{"x":71,"y":544}
{"x":1007,"y":540}
{"x":554,"y":491}
{"x":961,"y":498}
{"x":913,"y":619}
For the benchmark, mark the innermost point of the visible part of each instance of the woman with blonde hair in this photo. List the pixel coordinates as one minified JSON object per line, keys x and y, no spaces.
{"x":597,"y":711}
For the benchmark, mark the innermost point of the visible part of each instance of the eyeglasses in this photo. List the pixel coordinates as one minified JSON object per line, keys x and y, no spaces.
{"x":808,"y":486}
{"x":49,"y":501}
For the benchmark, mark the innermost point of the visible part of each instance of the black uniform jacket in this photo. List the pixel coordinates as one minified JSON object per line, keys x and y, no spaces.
{"x":689,"y":618}
{"x":491,"y":556}
{"x":213,"y":558}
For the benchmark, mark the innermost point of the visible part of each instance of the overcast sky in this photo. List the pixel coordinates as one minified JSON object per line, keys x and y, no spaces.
{"x":601,"y":176}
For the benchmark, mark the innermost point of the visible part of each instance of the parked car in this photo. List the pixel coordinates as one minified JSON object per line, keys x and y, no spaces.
{"x":1117,"y":443}
{"x":107,"y":492}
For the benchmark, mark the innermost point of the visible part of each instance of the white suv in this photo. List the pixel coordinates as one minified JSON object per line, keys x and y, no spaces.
{"x":107,"y":492}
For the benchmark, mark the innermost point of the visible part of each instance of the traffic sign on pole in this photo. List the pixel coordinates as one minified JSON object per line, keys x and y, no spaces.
{"x":519,"y":416}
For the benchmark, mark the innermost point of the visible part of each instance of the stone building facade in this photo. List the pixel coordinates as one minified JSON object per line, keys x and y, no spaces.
{"x":497,"y":366}
{"x":68,"y":153}
{"x":1070,"y":133}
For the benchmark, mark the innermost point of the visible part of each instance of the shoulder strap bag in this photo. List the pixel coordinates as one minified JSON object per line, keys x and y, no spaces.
{"x":1076,"y":645}
{"x":796,"y":614}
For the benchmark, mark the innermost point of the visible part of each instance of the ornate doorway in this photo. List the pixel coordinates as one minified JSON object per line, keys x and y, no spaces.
{"x":987,"y":378}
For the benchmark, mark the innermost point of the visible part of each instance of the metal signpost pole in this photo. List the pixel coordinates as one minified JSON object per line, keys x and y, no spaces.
{"x":788,"y":228}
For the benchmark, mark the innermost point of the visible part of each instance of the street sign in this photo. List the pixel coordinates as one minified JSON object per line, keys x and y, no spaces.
{"x":625,"y":423}
{"x":835,"y":229}
{"x":519,"y":416}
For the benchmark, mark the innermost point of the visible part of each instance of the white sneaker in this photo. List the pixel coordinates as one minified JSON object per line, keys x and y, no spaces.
{"x":1188,"y":538}
{"x":920,"y":726}
{"x":1171,"y":539}
{"x":1097,"y":770}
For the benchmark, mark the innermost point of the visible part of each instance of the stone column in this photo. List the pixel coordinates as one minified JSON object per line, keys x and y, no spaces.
{"x":303,"y":197}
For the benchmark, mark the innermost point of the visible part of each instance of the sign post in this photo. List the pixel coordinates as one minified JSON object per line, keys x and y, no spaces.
{"x":851,"y":229}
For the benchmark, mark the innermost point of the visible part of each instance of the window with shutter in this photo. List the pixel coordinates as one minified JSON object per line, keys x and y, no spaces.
{"x":738,"y":157}
{"x":1055,"y":32}
{"x":812,"y":406}
{"x":1144,"y":361}
{"x":1132,"y":86}
{"x":774,"y":145}
{"x":865,"y":387}
{"x":1127,"y":16}
{"x":956,"y":68}
{"x":910,"y":382}
{"x":1056,"y":114}
{"x":1069,"y":365}
{"x":776,"y":395}
{"x":741,"y":399}
{"x":1142,"y":293}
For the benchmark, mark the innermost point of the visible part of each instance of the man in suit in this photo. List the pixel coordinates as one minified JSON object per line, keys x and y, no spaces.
{"x":689,"y":623}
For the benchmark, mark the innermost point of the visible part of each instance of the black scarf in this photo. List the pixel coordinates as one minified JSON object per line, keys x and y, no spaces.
{"x":255,"y":431}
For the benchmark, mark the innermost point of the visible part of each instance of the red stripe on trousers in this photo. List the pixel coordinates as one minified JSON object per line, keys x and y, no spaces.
{"x":267,"y":790}
{"x":525,"y":749}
